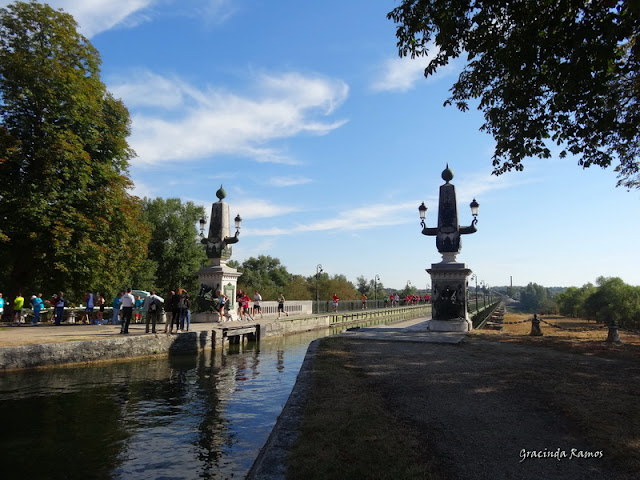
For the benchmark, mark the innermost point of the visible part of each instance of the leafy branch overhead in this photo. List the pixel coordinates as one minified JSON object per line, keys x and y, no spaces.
{"x":551,"y":71}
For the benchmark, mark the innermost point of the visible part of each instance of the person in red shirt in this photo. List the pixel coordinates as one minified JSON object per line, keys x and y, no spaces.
{"x":335,"y":302}
{"x":245,"y":306}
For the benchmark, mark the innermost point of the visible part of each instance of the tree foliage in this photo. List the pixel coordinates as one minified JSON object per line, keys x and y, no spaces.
{"x":265,"y":274}
{"x":614,"y":301}
{"x":571,"y":301}
{"x":535,"y":298}
{"x":67,"y":221}
{"x":175,"y":252}
{"x":565,"y":71}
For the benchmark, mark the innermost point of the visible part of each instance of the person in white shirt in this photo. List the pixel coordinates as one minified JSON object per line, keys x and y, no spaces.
{"x":126,"y":305}
{"x":257,"y":307}
{"x":152,"y":314}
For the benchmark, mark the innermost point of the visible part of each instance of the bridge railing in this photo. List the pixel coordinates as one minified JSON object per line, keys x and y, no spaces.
{"x":409,"y":311}
{"x":326,"y":306}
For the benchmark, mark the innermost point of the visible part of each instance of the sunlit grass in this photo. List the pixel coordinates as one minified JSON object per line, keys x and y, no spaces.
{"x":346,"y":430}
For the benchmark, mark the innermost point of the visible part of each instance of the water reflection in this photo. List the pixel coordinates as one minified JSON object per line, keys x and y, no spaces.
{"x":184,"y":417}
{"x":188,"y":417}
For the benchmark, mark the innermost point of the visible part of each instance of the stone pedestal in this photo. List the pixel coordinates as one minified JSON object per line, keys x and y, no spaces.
{"x":449,"y":296}
{"x":220,"y":277}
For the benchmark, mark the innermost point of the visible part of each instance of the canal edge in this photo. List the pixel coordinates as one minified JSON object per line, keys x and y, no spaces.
{"x":271,"y":463}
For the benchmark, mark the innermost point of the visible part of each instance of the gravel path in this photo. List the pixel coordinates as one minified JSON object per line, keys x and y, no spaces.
{"x":481,"y":405}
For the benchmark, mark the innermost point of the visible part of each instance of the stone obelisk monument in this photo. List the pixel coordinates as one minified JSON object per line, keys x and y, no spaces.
{"x":449,"y":277}
{"x":218,"y":276}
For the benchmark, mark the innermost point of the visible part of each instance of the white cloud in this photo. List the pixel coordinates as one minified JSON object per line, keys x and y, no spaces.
{"x":174,"y":120}
{"x":96,"y":16}
{"x":401,"y":74}
{"x":250,"y":208}
{"x":288,"y":181}
{"x":354,"y":219}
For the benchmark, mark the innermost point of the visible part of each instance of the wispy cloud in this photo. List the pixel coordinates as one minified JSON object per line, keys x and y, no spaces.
{"x":96,"y":16}
{"x":401,"y":74}
{"x":349,"y":220}
{"x":251,"y":208}
{"x":288,"y":181}
{"x":174,"y":120}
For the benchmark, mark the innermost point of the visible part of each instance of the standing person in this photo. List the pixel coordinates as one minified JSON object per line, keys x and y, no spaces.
{"x":115,"y":319}
{"x":386,"y":300}
{"x":59,"y":302}
{"x":37,"y":305}
{"x":364,"y":302}
{"x":101,"y":303}
{"x":185,"y":320}
{"x":126,"y":305}
{"x":175,"y":310}
{"x":335,"y":300}
{"x":167,"y":308}
{"x":239,"y":296}
{"x":245,"y":306}
{"x":18,"y":303}
{"x":184,"y":305}
{"x":281,"y":301}
{"x":257,"y":307}
{"x":1,"y":306}
{"x":222,"y":301}
{"x":138,"y":309}
{"x":88,"y":316}
{"x":153,"y":307}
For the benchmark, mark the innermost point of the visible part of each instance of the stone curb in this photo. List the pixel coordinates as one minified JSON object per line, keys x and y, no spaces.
{"x":272,"y":461}
{"x":85,"y":351}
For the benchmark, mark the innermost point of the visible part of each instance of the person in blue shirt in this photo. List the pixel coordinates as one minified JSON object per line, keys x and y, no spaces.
{"x":37,"y":304}
{"x":116,"y":309}
{"x":1,"y":305}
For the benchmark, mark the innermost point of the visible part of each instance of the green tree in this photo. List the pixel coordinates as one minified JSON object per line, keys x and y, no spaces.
{"x":299,"y":288}
{"x":339,"y":285}
{"x":174,"y":248}
{"x":566,"y":71}
{"x":408,"y":290}
{"x":571,"y":302}
{"x":614,"y":301}
{"x":265,"y":274}
{"x":534,"y":298}
{"x":67,"y":220}
{"x":362,"y":285}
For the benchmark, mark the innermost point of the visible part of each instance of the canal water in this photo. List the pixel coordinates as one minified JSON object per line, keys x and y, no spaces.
{"x":186,"y":417}
{"x":183,"y":417}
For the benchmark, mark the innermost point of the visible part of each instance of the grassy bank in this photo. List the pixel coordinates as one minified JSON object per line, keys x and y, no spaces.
{"x":346,"y":429}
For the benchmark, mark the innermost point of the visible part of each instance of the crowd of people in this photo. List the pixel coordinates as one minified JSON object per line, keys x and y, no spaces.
{"x":149,"y":309}
{"x":126,"y":309}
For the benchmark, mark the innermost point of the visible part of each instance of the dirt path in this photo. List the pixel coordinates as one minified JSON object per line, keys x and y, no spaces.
{"x":483,"y":407}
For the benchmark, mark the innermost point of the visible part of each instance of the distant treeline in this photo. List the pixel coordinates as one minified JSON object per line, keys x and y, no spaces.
{"x":609,"y":300}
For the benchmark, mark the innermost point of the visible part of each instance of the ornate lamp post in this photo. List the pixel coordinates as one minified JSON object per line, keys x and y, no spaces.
{"x":376,"y":279}
{"x":318,"y":272}
{"x":449,"y":277}
{"x":475,"y":277}
{"x":218,"y":276}
{"x":484,"y":294}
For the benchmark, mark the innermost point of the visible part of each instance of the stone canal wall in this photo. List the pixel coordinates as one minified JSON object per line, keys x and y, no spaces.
{"x":204,"y":336}
{"x":87,"y":351}
{"x":125,"y":346}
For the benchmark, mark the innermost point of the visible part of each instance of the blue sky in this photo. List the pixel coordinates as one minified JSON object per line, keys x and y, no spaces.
{"x":326,"y":143}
